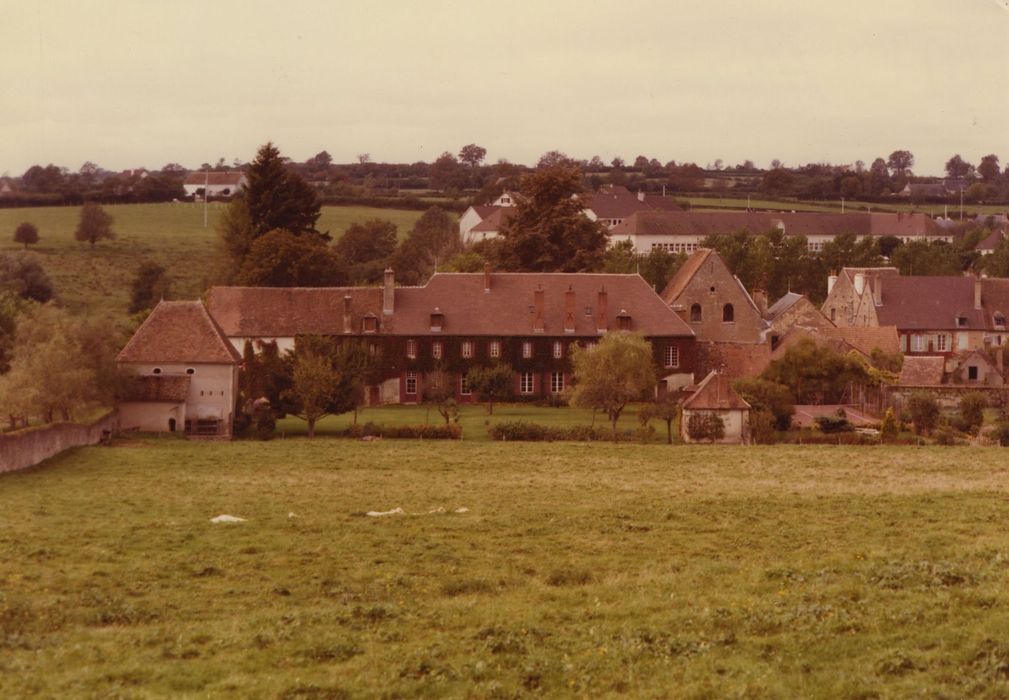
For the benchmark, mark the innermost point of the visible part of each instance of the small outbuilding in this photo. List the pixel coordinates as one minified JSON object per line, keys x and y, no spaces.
{"x":715,"y":396}
{"x":185,"y":373}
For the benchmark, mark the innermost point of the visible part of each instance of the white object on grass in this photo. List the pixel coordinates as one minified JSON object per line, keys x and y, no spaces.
{"x":227,"y":519}
{"x":379,"y":513}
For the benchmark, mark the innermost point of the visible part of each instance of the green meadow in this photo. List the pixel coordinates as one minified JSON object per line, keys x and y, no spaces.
{"x":737,"y":202}
{"x":173,"y":235}
{"x":565,"y":569}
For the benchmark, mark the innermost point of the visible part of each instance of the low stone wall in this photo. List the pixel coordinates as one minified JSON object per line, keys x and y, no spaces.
{"x":29,"y":447}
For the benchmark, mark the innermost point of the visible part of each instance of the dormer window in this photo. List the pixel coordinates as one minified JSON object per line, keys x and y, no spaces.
{"x":961,"y":321}
{"x":999,"y":320}
{"x":370,"y":323}
{"x":437,"y":320}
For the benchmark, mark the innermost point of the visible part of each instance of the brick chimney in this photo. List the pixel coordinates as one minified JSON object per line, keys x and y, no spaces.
{"x":389,"y":292}
{"x":977,"y":293}
{"x":486,"y":277}
{"x":538,"y":323}
{"x":569,"y":310}
{"x":348,"y":324}
{"x":602,"y":310}
{"x":760,"y":299}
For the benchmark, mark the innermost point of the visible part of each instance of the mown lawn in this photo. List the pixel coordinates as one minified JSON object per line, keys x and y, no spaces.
{"x":578,"y":569}
{"x":98,"y":280}
{"x":474,"y":419}
{"x":737,"y":202}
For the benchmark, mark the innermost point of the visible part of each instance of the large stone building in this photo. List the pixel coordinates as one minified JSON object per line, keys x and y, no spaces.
{"x":185,"y":373}
{"x":456,"y":321}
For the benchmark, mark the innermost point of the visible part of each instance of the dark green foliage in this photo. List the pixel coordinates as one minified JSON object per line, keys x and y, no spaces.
{"x":366,"y":250}
{"x":492,"y":383}
{"x":705,"y":425}
{"x":283,"y":259}
{"x":924,"y":412}
{"x":278,"y":198}
{"x":150,"y":285}
{"x":1002,"y":433}
{"x":833,"y":424}
{"x":945,"y":436}
{"x":26,"y":233}
{"x":972,"y":406}
{"x":94,"y":224}
{"x":21,"y":273}
{"x":657,"y":267}
{"x":666,"y":409}
{"x":534,"y":432}
{"x":449,"y":431}
{"x":762,"y":427}
{"x":815,"y":374}
{"x":432,"y":243}
{"x":764,"y":395}
{"x":889,"y":429}
{"x":549,"y":232}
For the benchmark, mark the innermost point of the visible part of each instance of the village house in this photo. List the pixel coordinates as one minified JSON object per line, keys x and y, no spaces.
{"x":613,"y":204}
{"x":215,"y":184}
{"x":476,"y":214}
{"x":436,"y":332}
{"x":185,"y":373}
{"x":714,"y":395}
{"x":685,"y":231}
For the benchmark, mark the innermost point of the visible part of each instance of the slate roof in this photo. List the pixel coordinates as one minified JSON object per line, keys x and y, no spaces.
{"x":157,"y":389}
{"x":783,"y":304}
{"x":922,"y":370}
{"x":990,"y":242}
{"x":929,"y":303}
{"x":715,"y":393}
{"x":179,"y":331}
{"x":260,"y":312}
{"x":199,"y":177}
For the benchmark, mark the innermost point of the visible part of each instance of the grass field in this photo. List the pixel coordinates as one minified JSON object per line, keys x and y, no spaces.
{"x":170,"y":234}
{"x":586,"y":570}
{"x":849,"y":206}
{"x":473,"y":419}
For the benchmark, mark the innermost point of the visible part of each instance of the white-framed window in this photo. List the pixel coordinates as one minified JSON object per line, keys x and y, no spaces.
{"x":558,"y":349}
{"x":467,"y":348}
{"x":411,"y":349}
{"x":411,"y":382}
{"x":941,"y":342}
{"x":526,"y":384}
{"x":527,"y":349}
{"x":672,"y":356}
{"x":903,"y":341}
{"x":917,"y":343}
{"x":556,"y":382}
{"x":495,"y":348}
{"x":464,"y":387}
{"x":436,"y":349}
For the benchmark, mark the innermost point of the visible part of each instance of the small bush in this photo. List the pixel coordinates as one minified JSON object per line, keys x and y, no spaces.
{"x":833,"y":424}
{"x":924,"y":410}
{"x":945,"y":436}
{"x":889,"y":429}
{"x":972,"y":406}
{"x":534,"y":432}
{"x":452,"y":431}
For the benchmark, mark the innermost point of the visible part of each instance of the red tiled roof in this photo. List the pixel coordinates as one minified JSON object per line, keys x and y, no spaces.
{"x":715,"y":393}
{"x":865,"y":339}
{"x":620,"y":203}
{"x":508,"y":308}
{"x":199,"y":177}
{"x":995,"y":299}
{"x":922,"y":370}
{"x":157,"y":389}
{"x":929,"y":303}
{"x":285,"y":312}
{"x":990,"y":242}
{"x":179,"y":331}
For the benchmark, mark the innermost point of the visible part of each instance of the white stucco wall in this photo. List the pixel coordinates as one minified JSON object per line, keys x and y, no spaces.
{"x":736,"y":425}
{"x":212,"y":387}
{"x":151,"y":416}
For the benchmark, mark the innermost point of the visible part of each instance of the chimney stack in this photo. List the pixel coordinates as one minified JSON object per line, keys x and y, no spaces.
{"x":877,"y":290}
{"x":348,"y":326}
{"x":486,"y":277}
{"x":977,"y":293}
{"x":641,"y":196}
{"x":538,"y":323}
{"x":569,"y":310}
{"x":389,"y":292}
{"x":602,"y":310}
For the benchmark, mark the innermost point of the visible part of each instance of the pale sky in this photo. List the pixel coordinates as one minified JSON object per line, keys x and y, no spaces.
{"x":131,"y":83}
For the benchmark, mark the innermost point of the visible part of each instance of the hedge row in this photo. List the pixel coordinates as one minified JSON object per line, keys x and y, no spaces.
{"x":421,"y":432}
{"x":534,"y":432}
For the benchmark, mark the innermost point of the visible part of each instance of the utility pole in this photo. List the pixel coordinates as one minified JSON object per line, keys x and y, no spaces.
{"x":206,"y":188}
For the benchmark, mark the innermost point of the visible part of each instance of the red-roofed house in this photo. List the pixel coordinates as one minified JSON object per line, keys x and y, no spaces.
{"x":459,"y":320}
{"x":186,"y":373}
{"x":715,"y":395}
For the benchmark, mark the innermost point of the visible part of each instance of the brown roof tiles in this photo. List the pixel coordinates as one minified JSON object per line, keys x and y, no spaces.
{"x":179,"y":331}
{"x":715,"y":393}
{"x":259,"y":312}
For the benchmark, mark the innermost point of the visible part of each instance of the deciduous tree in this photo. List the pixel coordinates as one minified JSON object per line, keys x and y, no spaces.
{"x":901,"y":162}
{"x":313,"y":388}
{"x":492,"y":383}
{"x":666,"y":409}
{"x":21,"y":273}
{"x":150,"y":285}
{"x":366,"y":249}
{"x":283,"y":259}
{"x":616,"y":371}
{"x":472,"y":155}
{"x":988,"y":168}
{"x":26,"y":233}
{"x":94,"y":224}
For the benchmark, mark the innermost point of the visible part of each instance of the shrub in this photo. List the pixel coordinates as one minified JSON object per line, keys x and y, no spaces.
{"x":889,"y":429}
{"x":451,"y":431}
{"x":1001,"y":433}
{"x":534,"y":432}
{"x":833,"y":424}
{"x":762,"y":424}
{"x":924,"y":412}
{"x":972,"y":405}
{"x":705,"y":426}
{"x":765,"y":395}
{"x":945,"y":436}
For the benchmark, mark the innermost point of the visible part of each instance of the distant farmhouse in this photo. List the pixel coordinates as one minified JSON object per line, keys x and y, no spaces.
{"x":216,"y":184}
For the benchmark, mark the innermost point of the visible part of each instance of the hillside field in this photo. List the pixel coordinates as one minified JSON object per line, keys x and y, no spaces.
{"x":757,"y":201}
{"x":172,"y":235}
{"x":586,"y":570}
